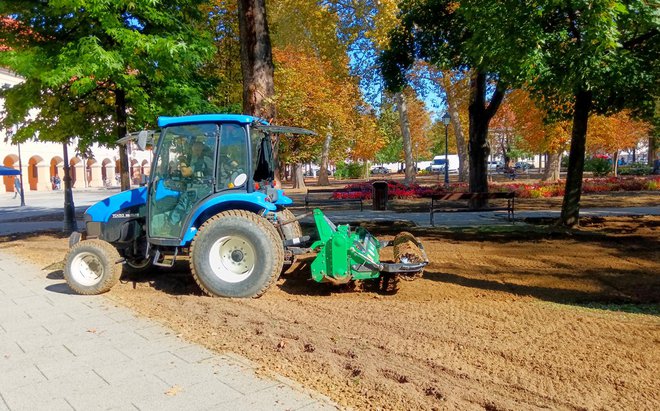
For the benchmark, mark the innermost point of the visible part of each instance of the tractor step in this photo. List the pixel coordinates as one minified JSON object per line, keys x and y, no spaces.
{"x":164,"y":262}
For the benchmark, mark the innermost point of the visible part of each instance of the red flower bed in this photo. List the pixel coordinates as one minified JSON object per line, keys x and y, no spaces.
{"x":589,"y":185}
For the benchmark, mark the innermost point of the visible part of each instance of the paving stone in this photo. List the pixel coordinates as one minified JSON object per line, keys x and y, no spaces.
{"x":279,"y":397}
{"x":193,"y":354}
{"x":196,"y":397}
{"x":154,"y":333}
{"x":19,"y":377}
{"x":66,"y":387}
{"x":36,"y":401}
{"x":238,"y":376}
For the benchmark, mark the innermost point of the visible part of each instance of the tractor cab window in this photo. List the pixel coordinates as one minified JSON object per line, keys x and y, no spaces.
{"x":262,"y":155}
{"x":232,"y":157}
{"x":183,"y":176}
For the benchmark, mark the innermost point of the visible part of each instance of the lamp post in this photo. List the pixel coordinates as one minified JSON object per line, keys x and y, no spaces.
{"x":70,"y":224}
{"x":445,"y":120}
{"x":20,"y":167}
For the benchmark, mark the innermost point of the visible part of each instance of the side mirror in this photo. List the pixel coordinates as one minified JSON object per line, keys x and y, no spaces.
{"x":142,"y":140}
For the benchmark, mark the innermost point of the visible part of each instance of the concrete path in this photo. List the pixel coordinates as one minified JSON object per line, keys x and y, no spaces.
{"x":60,"y":351}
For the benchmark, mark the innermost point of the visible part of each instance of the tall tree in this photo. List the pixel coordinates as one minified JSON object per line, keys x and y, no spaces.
{"x":539,"y":133}
{"x":94,"y":69}
{"x":614,"y":133}
{"x":458,"y":36}
{"x":599,"y":56}
{"x":311,"y":96}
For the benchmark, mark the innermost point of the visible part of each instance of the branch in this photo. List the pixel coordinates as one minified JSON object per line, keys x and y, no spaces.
{"x":628,"y":45}
{"x":496,"y":100}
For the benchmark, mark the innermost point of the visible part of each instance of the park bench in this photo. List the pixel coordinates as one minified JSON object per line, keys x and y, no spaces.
{"x":324,"y":196}
{"x":437,"y":200}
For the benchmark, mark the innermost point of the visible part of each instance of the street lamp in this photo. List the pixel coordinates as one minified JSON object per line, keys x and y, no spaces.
{"x":445,"y":120}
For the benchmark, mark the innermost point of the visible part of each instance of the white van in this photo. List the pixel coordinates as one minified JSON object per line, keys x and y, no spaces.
{"x":438,"y":164}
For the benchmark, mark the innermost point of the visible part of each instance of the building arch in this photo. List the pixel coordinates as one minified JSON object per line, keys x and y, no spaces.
{"x":10,"y":161}
{"x":36,"y":172}
{"x":75,"y":170}
{"x":56,"y":164}
{"x":107,"y":172}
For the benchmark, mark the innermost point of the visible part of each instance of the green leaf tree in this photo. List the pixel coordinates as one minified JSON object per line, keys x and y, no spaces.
{"x":94,"y":68}
{"x":460,"y":36}
{"x":599,"y":57}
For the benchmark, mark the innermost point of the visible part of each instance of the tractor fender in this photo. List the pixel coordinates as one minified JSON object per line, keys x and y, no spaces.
{"x":213,"y":205}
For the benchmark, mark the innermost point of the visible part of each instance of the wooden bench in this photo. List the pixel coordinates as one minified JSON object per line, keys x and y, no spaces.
{"x":438,"y":199}
{"x":324,"y":196}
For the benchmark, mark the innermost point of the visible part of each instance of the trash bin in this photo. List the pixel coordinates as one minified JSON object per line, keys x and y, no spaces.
{"x":379,"y":195}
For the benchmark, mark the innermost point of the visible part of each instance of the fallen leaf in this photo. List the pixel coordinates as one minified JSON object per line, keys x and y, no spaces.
{"x":173,"y":391}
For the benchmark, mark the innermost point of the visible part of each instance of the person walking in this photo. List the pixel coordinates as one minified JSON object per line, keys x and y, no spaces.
{"x":17,"y":186}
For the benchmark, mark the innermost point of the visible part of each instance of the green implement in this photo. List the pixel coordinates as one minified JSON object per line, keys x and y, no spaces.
{"x":345,"y":255}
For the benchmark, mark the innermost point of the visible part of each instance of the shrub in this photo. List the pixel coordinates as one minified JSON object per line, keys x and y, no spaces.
{"x":590,"y":185}
{"x":350,"y":170}
{"x":636,"y":169}
{"x":600,"y":167}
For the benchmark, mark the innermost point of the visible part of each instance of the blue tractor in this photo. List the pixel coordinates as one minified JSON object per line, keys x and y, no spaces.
{"x":210,"y":196}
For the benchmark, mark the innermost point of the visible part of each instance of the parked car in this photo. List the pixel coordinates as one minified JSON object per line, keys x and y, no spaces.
{"x":523,"y":165}
{"x":380,"y":170}
{"x":315,"y":172}
{"x":494,"y":165}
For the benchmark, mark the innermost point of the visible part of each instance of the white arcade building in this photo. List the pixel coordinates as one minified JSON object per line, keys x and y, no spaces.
{"x":42,"y":161}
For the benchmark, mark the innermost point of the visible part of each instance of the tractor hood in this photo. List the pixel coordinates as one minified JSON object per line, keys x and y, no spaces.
{"x":104,"y":209}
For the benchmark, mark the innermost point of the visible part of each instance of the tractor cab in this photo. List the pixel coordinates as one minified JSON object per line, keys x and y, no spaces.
{"x":207,"y":164}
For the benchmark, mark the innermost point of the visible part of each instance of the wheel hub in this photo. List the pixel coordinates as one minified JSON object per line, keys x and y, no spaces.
{"x":232,"y":258}
{"x":87,"y":269}
{"x":237,"y":256}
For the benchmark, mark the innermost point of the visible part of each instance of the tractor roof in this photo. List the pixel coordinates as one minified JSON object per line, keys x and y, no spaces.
{"x":206,"y":118}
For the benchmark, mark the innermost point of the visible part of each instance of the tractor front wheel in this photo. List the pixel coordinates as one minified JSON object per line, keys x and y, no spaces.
{"x":236,"y":254}
{"x":92,"y":267}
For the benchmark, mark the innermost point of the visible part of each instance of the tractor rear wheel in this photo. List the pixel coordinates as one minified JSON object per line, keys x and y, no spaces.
{"x":236,"y":253}
{"x":92,"y":267}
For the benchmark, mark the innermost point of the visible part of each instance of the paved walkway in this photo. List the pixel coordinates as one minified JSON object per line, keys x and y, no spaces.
{"x":60,"y":351}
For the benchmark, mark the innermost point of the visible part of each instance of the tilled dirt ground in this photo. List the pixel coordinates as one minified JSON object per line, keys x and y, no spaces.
{"x":526,"y":319}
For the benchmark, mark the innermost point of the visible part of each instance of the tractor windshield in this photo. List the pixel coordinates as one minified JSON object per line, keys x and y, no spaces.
{"x":183,"y":175}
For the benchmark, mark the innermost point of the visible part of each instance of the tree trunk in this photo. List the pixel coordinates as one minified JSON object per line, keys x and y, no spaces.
{"x":120,"y":121}
{"x":257,"y":65}
{"x":615,"y":164}
{"x":552,"y":167}
{"x":298,"y":176}
{"x":480,"y":116}
{"x":452,"y":108}
{"x":653,"y":147}
{"x":402,"y":108}
{"x":570,"y":209}
{"x":325,"y":154}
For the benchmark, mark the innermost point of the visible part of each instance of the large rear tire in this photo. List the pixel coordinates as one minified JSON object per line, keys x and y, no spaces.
{"x":236,"y":254}
{"x":290,"y":231}
{"x":92,"y":267}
